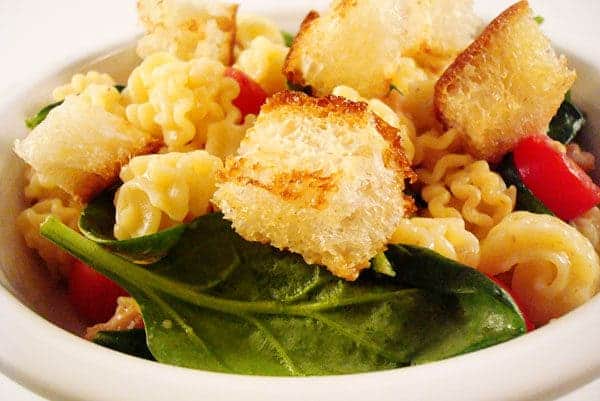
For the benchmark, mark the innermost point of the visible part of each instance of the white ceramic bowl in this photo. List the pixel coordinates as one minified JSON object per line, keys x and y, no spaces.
{"x":49,"y":360}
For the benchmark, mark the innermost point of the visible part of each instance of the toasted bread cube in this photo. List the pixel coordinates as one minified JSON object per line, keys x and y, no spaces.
{"x":319,"y":177}
{"x":81,"y":147}
{"x":359,"y":43}
{"x":506,"y":85}
{"x":188,"y":29}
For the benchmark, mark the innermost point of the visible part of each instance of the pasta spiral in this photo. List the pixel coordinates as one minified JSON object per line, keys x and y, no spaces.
{"x":29,"y":221}
{"x":555,"y":268}
{"x":160,"y":191}
{"x":263,"y":61}
{"x":446,"y":236}
{"x":405,"y":127}
{"x":79,"y":82}
{"x":460,"y":187}
{"x":588,"y":224}
{"x":180,"y":100}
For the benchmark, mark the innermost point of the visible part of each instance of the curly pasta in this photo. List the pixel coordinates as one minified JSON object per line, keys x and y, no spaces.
{"x":555,"y":268}
{"x":29,"y":221}
{"x":79,"y":82}
{"x":460,"y":187}
{"x":446,"y":236}
{"x":588,"y":224}
{"x":160,"y":191}
{"x":250,"y":27}
{"x":432,"y":145}
{"x":263,"y":61}
{"x":180,"y":100}
{"x":405,"y":127}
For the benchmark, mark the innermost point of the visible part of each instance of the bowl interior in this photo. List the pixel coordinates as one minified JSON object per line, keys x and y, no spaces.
{"x":21,"y":271}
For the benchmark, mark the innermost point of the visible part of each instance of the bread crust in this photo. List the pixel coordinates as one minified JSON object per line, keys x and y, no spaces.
{"x":486,"y":135}
{"x":466,"y":57}
{"x":290,"y":69}
{"x":323,"y":177}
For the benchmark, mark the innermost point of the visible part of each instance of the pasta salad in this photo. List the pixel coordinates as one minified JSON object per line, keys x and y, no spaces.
{"x":379,"y":190}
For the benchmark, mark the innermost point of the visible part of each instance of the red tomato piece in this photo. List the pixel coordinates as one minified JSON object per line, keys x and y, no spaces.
{"x":555,"y":179}
{"x":251,"y":96}
{"x":93,"y":296}
{"x":500,"y":283}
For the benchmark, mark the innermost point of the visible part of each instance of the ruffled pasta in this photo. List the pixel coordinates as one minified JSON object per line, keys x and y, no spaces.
{"x":446,"y":236}
{"x":431,"y":145}
{"x":263,"y":61}
{"x":458,"y":186}
{"x":160,"y":191}
{"x":28,"y":223}
{"x":180,"y":100}
{"x":79,"y":82}
{"x":405,"y":127}
{"x":555,"y":268}
{"x":250,"y":27}
{"x":588,"y":224}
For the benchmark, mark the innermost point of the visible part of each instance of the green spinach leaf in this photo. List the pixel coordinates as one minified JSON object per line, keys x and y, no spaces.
{"x":41,"y":115}
{"x":567,"y":122}
{"x":98,"y":219}
{"x":288,"y":38}
{"x":217,"y":302}
{"x":526,"y":200}
{"x":131,"y":342}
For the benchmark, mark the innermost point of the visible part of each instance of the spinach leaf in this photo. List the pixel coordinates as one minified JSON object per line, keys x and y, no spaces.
{"x":98,"y":219}
{"x":567,"y":122}
{"x":526,"y":200}
{"x":288,"y":38}
{"x":41,"y":115}
{"x":131,"y":342}
{"x":217,"y":302}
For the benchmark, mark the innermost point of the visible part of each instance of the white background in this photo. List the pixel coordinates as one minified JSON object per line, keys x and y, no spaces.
{"x":98,"y":24}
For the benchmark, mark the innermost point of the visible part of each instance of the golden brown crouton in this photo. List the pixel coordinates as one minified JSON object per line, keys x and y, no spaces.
{"x":322,"y":177}
{"x":81,"y":147}
{"x":188,"y":29}
{"x":359,"y":43}
{"x":506,"y":85}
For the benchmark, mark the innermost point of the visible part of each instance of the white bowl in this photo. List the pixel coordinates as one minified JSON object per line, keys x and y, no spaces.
{"x":50,"y":360}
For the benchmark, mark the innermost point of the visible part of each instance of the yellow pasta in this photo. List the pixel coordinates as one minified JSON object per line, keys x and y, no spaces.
{"x":263,"y":61}
{"x":460,"y":187}
{"x":446,"y":236}
{"x":160,"y":191}
{"x":431,"y":145}
{"x":28,"y":223}
{"x":180,"y":100}
{"x":588,"y":224}
{"x":250,"y":27}
{"x":405,"y":127}
{"x":555,"y":268}
{"x":79,"y":82}
{"x":105,"y":96}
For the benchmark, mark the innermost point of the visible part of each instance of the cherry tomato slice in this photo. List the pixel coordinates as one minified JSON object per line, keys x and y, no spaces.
{"x":502,"y":284}
{"x":251,"y":96}
{"x":561,"y":185}
{"x":93,"y":296}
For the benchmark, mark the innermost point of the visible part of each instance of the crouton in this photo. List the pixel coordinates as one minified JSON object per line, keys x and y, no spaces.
{"x":506,"y":85}
{"x":322,"y":177}
{"x":80,"y":147}
{"x":188,"y":29}
{"x":359,"y":43}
